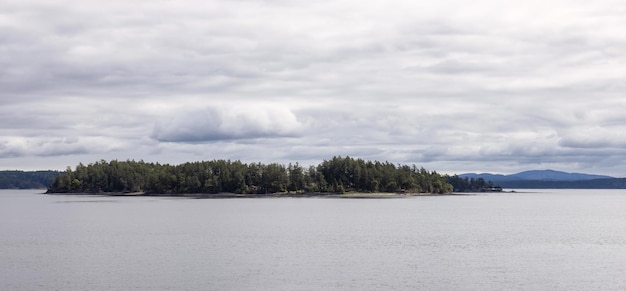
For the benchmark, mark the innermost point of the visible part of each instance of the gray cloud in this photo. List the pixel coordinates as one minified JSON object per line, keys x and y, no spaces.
{"x":455,"y":86}
{"x":16,"y":147}
{"x":242,"y":122}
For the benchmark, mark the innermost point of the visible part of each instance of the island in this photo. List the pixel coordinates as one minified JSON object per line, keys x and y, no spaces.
{"x":16,"y":179}
{"x":345,"y":176}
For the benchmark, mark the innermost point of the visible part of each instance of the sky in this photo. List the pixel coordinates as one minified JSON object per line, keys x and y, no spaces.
{"x":451,"y":86}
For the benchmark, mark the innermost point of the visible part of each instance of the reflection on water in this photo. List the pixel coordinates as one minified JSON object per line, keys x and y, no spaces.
{"x":563,"y":240}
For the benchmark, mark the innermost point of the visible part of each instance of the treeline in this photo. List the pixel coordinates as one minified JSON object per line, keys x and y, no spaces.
{"x":614,"y":183}
{"x":337,"y":175}
{"x":26,"y":180}
{"x":471,"y":185}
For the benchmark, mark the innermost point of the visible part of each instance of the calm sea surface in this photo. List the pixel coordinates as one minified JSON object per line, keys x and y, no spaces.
{"x":545,"y":240}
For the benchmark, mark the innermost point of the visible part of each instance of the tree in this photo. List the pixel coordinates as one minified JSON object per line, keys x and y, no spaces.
{"x":335,"y":175}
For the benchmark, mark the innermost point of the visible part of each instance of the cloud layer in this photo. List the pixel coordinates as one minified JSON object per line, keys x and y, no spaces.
{"x":215,"y":124}
{"x":497,"y":86}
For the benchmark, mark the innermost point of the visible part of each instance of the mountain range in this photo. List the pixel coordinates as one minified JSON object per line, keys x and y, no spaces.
{"x":551,"y":179}
{"x":536,"y":175}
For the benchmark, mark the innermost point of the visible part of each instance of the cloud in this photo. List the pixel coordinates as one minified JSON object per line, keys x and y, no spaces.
{"x":594,"y":137}
{"x":229,"y":123}
{"x":41,"y":147}
{"x":452,"y":85}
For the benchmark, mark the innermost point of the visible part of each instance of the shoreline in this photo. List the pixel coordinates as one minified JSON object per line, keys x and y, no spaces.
{"x":226,"y":195}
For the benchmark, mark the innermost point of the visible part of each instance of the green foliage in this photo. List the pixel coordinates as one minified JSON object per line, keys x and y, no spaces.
{"x":337,"y":175}
{"x":26,"y":180}
{"x":470,"y":185}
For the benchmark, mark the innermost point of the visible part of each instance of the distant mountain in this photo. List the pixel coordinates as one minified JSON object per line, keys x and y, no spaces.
{"x":551,"y":179}
{"x":552,"y":175}
{"x":536,"y":175}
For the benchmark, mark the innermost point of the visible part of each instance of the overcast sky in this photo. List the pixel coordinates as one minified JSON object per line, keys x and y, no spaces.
{"x":453,"y":86}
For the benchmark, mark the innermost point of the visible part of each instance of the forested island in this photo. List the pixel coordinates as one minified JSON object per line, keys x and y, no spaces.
{"x":466,"y":184}
{"x":26,"y":179}
{"x":338,"y":175}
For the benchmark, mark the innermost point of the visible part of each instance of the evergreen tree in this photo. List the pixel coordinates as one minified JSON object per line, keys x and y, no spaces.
{"x":338,"y":175}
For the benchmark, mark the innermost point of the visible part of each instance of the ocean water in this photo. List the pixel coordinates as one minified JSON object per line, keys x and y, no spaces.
{"x":540,"y":240}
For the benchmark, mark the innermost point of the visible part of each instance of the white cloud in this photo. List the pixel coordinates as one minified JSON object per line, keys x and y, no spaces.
{"x":42,"y":147}
{"x":454,"y":85}
{"x":229,"y":123}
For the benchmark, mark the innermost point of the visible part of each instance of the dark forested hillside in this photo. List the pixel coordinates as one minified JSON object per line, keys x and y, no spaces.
{"x":612,"y":183}
{"x":337,"y":175}
{"x":536,"y":175}
{"x":466,"y":184}
{"x":26,"y":180}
